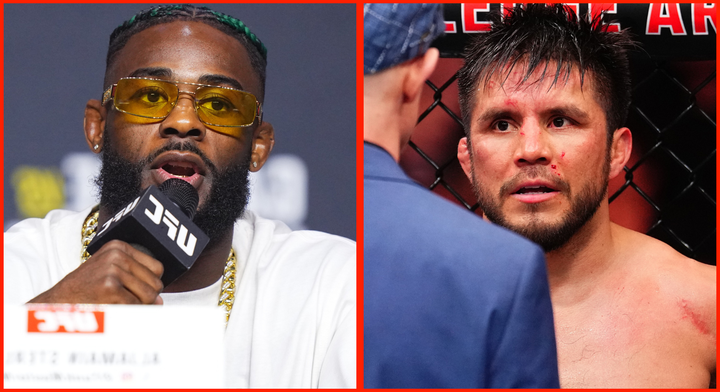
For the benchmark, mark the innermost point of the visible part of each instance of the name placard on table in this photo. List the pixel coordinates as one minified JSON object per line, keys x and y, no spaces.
{"x":113,"y":346}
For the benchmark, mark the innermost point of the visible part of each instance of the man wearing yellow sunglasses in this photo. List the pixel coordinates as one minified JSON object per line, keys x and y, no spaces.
{"x":183,"y":95}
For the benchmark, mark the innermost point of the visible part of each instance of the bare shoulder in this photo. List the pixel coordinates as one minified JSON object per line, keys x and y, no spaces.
{"x":690,"y":284}
{"x":650,"y":322}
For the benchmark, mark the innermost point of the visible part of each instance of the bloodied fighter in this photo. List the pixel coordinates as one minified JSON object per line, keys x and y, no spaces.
{"x":544,"y":96}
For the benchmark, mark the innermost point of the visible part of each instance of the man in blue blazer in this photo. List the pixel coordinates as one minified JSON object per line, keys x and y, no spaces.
{"x":450,"y":301}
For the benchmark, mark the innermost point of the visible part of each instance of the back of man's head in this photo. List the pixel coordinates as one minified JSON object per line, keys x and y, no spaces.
{"x":395,"y":33}
{"x":398,"y":59}
{"x":552,"y":38}
{"x":170,"y":13}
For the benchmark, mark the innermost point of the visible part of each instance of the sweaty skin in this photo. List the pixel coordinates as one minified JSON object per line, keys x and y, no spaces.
{"x":629,"y":310}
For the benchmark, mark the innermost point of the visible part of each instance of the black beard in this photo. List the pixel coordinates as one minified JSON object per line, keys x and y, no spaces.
{"x":120,"y":181}
{"x":549,"y":236}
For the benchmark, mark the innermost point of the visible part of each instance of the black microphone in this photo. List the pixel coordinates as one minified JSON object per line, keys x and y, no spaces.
{"x":159,"y":223}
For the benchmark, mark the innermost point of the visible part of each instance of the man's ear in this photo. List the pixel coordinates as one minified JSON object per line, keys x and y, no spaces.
{"x":94,"y":124}
{"x":262,"y":143}
{"x":620,"y":151}
{"x":465,"y":158}
{"x":420,"y":69}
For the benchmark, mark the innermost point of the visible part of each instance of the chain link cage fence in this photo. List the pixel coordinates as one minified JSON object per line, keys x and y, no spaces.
{"x":668,"y":186}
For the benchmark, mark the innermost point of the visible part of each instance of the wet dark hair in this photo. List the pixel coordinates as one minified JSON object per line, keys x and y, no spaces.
{"x":171,"y":13}
{"x":539,"y":35}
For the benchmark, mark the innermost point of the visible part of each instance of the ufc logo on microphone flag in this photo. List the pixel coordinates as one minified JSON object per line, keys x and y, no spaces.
{"x":187,"y":244}
{"x":50,"y":320}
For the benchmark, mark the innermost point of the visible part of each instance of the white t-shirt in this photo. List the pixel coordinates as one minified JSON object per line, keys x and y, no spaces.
{"x":293,"y":323}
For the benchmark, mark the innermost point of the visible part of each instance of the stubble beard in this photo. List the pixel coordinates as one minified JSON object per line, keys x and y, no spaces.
{"x":120,"y":182}
{"x":550,"y":236}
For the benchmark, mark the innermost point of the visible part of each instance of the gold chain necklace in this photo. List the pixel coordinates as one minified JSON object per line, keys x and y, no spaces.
{"x":227,"y":290}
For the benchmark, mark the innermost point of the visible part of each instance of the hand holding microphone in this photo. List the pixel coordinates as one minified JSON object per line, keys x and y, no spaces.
{"x":138,"y":251}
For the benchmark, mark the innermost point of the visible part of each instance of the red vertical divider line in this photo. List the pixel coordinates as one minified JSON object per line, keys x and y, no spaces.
{"x":359,"y":198}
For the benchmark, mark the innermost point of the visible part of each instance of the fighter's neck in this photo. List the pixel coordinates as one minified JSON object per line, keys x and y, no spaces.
{"x":208,"y":268}
{"x":575,"y":269}
{"x":103,"y":215}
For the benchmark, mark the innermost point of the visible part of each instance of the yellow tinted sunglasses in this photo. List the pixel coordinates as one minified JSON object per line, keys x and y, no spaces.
{"x":154,"y":99}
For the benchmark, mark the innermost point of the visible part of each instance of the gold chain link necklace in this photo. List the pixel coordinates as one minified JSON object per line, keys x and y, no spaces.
{"x":227,"y":290}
